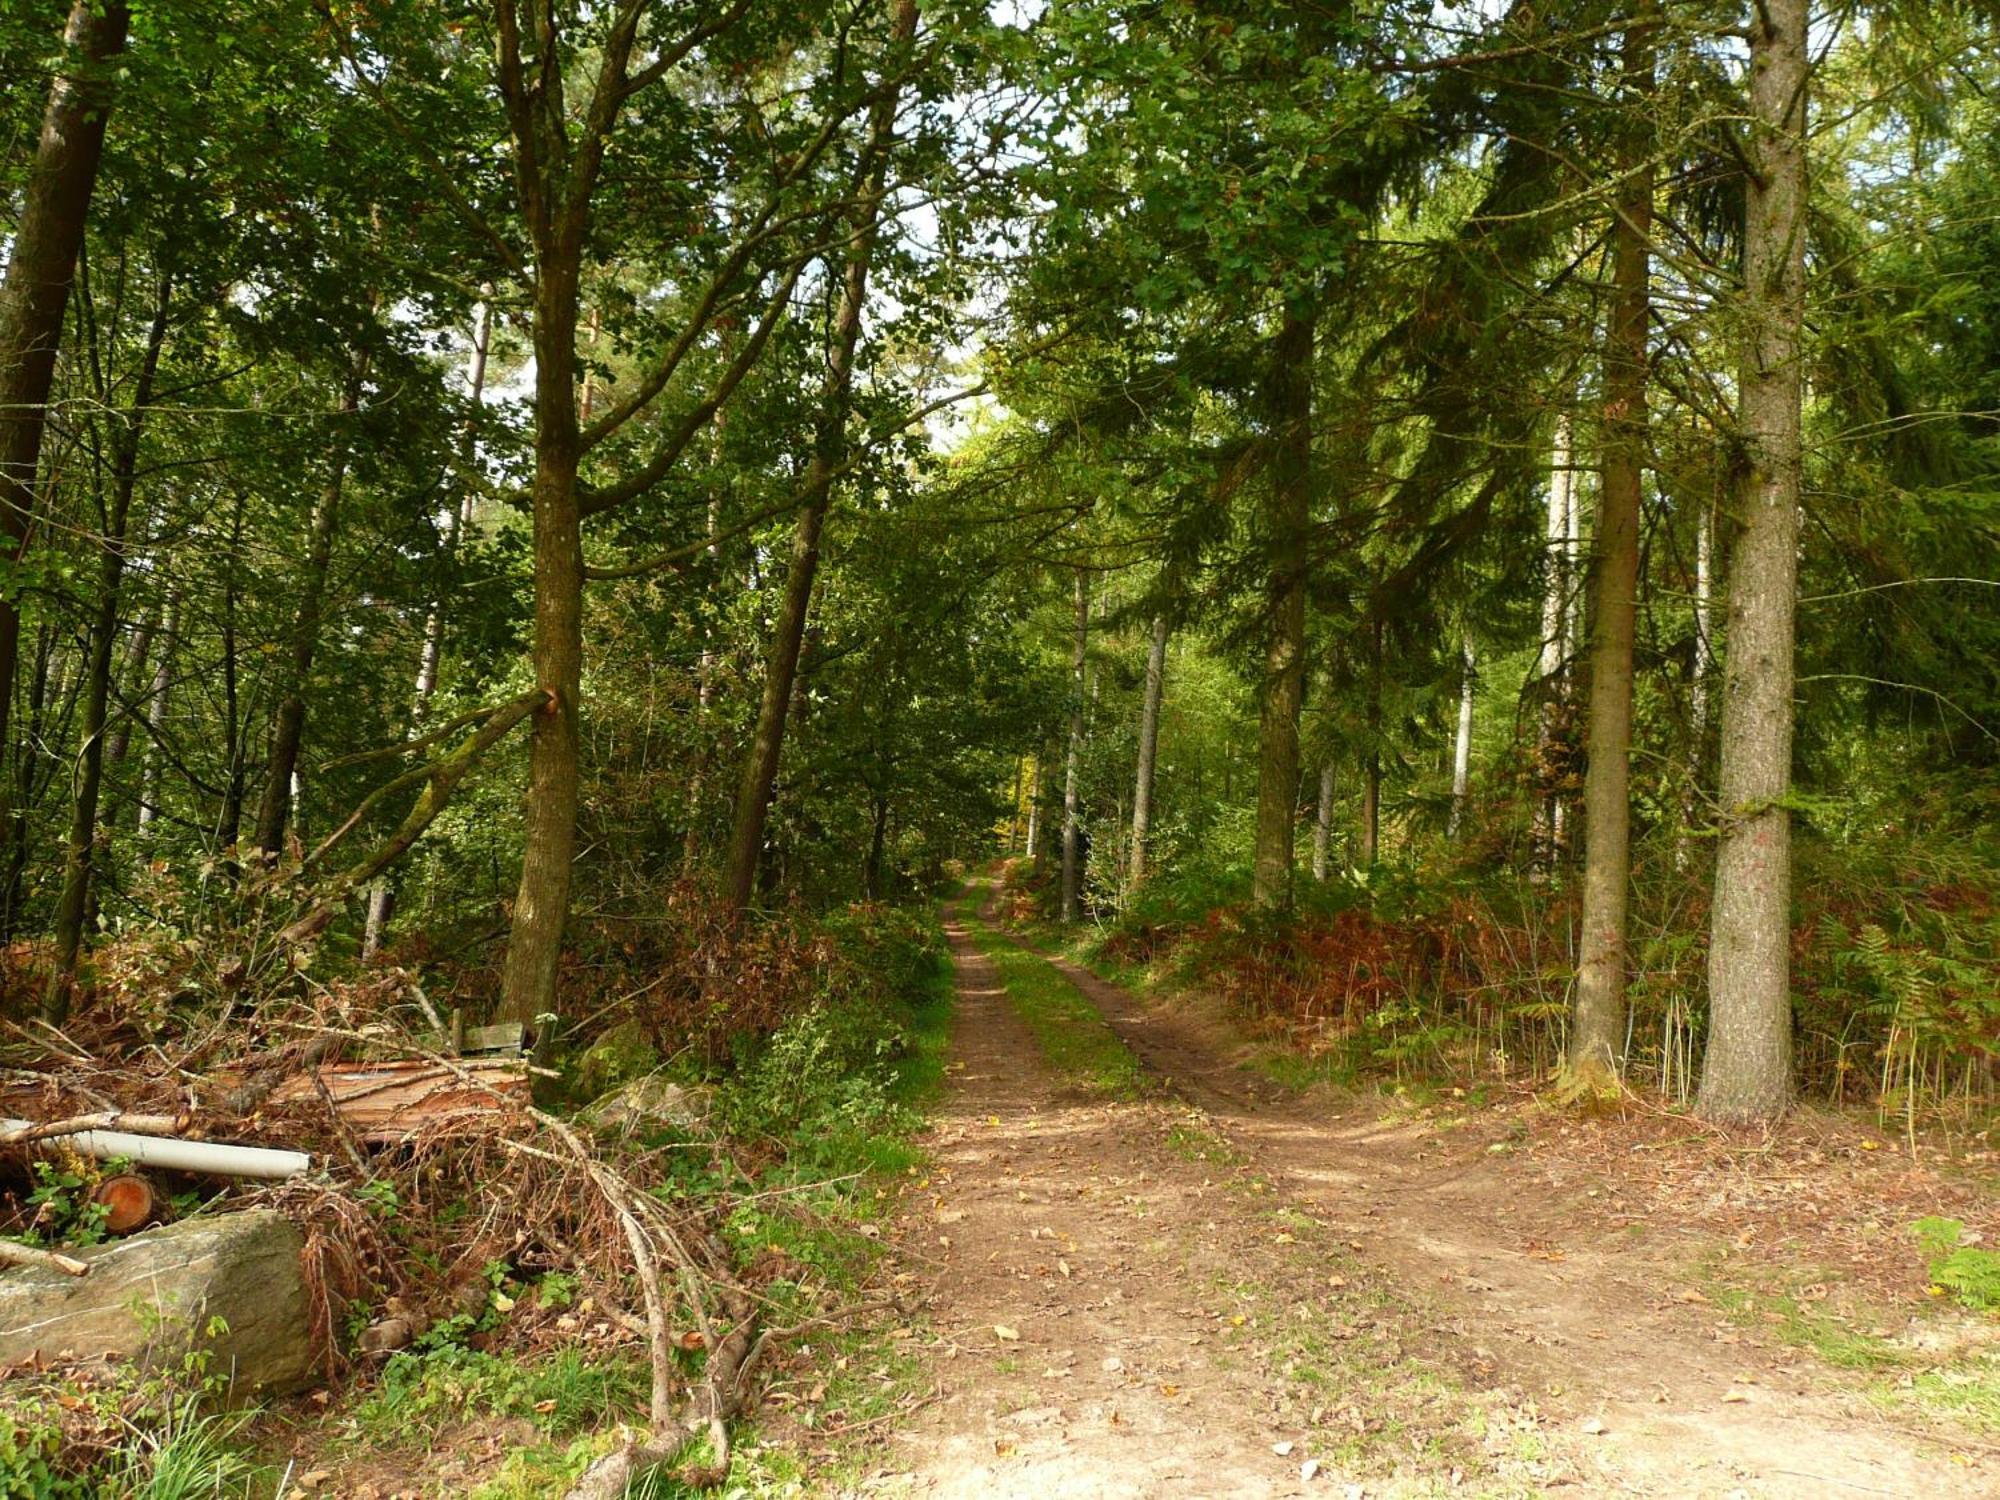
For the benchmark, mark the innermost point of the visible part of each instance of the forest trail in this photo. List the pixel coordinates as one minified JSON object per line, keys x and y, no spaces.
{"x":1215,"y":1288}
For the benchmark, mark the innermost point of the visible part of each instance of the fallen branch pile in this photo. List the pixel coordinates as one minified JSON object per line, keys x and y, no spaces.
{"x":350,"y":1119}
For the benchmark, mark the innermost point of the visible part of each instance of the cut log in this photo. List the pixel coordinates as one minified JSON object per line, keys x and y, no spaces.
{"x":383,"y":1102}
{"x":128,"y":1200}
{"x":230,"y":1285}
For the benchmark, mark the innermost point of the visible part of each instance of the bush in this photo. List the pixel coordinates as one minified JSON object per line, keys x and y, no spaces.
{"x":1972,"y":1275}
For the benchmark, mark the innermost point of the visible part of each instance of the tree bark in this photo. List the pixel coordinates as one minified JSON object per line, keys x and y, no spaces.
{"x":1371,"y":770}
{"x":229,"y":817}
{"x":74,"y":901}
{"x":1747,"y":1073}
{"x":1323,"y":826}
{"x":541,"y":899}
{"x":1597,"y":1022}
{"x":1461,"y":750}
{"x":1033,"y":842}
{"x":1288,"y":399}
{"x":41,"y":266}
{"x":760,"y":767}
{"x":156,"y":714}
{"x":878,"y":837}
{"x":288,"y":727}
{"x":1072,"y":829}
{"x":1555,"y":615}
{"x":1149,"y":748}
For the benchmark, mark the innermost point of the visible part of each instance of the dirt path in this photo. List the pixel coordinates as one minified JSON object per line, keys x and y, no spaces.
{"x":1220,"y":1290}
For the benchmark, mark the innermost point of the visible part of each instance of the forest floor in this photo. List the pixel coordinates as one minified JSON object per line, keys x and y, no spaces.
{"x":1154,"y":1271}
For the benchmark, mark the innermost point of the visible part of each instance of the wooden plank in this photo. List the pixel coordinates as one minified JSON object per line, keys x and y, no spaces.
{"x":507,"y":1039}
{"x":385,"y":1101}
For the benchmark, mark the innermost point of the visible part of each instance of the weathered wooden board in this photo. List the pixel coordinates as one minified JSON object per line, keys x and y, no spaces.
{"x":385,"y":1101}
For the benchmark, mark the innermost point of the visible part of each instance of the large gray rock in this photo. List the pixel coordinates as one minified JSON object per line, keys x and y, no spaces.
{"x":652,"y":1103}
{"x":155,"y":1294}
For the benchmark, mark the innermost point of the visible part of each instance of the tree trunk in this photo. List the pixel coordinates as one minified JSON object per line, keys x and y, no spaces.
{"x":156,"y":714}
{"x":1704,"y":638}
{"x":138,"y":658}
{"x":541,"y":900}
{"x":1149,"y":748}
{"x":229,"y":817}
{"x":382,"y":894}
{"x":22,"y":802}
{"x":1747,"y":1073}
{"x":1597,"y":1024}
{"x":760,"y":768}
{"x":1288,"y":399}
{"x":41,"y":265}
{"x":1555,"y":615}
{"x":704,"y":696}
{"x":1461,"y":750}
{"x":1371,"y":770}
{"x":1323,"y":826}
{"x":1072,"y":829}
{"x":1034,"y":809}
{"x":289,"y":726}
{"x":74,"y":901}
{"x":877,"y":839}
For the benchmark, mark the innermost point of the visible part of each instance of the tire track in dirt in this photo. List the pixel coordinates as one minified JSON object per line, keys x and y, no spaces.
{"x":1590,"y":1331}
{"x":1160,"y":1311}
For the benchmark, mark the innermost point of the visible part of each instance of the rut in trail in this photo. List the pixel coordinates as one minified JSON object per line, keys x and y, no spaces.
{"x":1209,"y":1291}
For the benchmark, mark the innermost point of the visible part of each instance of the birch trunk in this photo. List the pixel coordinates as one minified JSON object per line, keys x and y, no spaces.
{"x":1323,"y":827}
{"x":1461,"y":750}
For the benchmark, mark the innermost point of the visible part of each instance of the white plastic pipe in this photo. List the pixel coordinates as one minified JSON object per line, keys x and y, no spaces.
{"x":177,"y":1155}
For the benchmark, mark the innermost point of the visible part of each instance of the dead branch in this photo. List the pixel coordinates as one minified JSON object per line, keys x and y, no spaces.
{"x":15,"y":1254}
{"x":15,"y":1135}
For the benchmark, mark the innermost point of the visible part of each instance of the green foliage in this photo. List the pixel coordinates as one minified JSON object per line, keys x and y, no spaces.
{"x":1970,"y":1274}
{"x":569,"y":1392}
{"x":839,"y":1083}
{"x":63,"y":1210}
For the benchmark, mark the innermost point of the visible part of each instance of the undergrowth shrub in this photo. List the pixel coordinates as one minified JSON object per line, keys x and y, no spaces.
{"x":836,"y":1071}
{"x":1970,"y":1274}
{"x":1469,"y":970}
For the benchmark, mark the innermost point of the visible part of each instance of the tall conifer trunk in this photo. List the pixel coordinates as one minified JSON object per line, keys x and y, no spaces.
{"x":430,"y":657}
{"x":1597,"y":1026}
{"x":1287,"y":518}
{"x":1747,"y":1073}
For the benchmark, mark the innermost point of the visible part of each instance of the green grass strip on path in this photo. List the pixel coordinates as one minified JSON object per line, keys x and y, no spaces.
{"x":1072,"y":1034}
